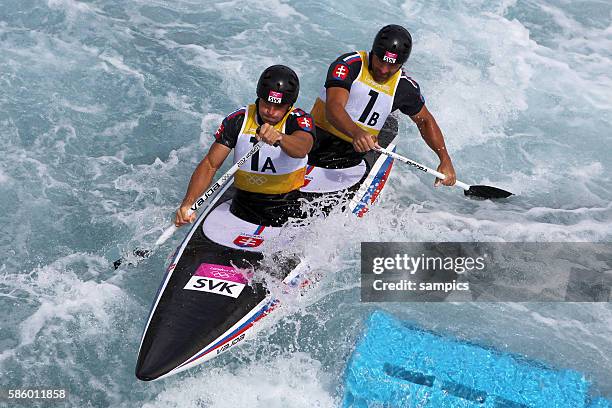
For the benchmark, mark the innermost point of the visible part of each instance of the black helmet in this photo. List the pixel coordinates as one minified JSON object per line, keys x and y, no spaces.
{"x":392,"y":44}
{"x":278,"y":84}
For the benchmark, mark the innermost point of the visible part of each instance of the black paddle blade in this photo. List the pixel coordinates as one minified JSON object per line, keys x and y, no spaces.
{"x":486,"y":192}
{"x":117,"y":263}
{"x":139,"y":253}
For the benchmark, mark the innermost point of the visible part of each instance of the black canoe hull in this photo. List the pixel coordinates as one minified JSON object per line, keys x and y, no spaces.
{"x":188,"y":327}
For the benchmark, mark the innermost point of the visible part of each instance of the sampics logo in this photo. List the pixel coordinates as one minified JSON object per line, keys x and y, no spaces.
{"x":390,"y":57}
{"x":275,"y":97}
{"x":217,"y":279}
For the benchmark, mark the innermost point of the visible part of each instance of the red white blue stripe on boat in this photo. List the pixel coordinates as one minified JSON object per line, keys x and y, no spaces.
{"x":242,"y":328}
{"x":374,"y":188}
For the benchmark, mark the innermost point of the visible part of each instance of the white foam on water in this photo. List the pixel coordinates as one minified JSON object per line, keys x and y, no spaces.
{"x":275,"y":8}
{"x":121,"y":128}
{"x":67,"y":318}
{"x":3,"y":177}
{"x":72,"y":7}
{"x":183,"y":103}
{"x":292,"y":379}
{"x":117,"y":62}
{"x":67,"y":297}
{"x":93,"y":109}
{"x":470,"y":98}
{"x":209,"y":124}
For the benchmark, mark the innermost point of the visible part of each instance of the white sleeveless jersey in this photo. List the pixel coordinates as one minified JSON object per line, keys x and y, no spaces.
{"x":270,"y":170}
{"x":369,"y":103}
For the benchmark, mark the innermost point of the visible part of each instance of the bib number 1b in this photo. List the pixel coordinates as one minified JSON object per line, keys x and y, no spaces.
{"x":366,"y":112}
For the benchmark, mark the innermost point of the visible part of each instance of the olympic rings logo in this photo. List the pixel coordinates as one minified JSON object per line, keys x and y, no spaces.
{"x":256,"y":180}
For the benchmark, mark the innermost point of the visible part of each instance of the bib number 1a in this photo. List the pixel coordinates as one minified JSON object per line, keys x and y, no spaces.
{"x":268,"y":165}
{"x":366,"y":112}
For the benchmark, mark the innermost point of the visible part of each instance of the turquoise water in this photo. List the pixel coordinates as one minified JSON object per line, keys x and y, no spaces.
{"x":107,"y":106}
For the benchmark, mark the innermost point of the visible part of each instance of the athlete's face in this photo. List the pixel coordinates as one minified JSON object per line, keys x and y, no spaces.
{"x":272,"y":113}
{"x":383,"y":71}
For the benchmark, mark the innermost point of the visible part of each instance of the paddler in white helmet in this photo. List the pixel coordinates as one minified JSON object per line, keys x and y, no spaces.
{"x":267,"y":184}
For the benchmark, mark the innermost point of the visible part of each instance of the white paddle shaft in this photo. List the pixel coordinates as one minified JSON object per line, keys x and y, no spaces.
{"x":210,"y":191}
{"x":420,"y":167}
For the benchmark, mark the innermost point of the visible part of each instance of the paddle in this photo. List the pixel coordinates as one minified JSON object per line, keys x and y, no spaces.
{"x":145,"y":253}
{"x":485,"y":192}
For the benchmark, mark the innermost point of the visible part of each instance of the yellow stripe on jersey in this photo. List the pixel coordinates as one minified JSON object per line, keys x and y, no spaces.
{"x":366,"y":77}
{"x":269,"y":183}
{"x":271,"y":170}
{"x":320,"y":118}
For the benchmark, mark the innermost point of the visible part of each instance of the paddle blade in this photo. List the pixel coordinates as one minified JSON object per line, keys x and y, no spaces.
{"x":138,"y":253}
{"x":117,"y":263}
{"x":487,"y":192}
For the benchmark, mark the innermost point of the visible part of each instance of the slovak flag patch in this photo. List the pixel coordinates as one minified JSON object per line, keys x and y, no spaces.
{"x":340,"y":72}
{"x":275,"y":97}
{"x":248,"y":241}
{"x":390,"y":57}
{"x":305,"y":123}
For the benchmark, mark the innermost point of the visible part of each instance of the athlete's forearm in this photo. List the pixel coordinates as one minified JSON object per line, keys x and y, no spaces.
{"x":200,"y":180}
{"x":340,"y":119}
{"x":296,"y":146}
{"x":431,"y":133}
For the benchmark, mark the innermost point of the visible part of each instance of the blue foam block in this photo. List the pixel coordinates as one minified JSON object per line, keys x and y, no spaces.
{"x":396,"y":365}
{"x":600,"y":403}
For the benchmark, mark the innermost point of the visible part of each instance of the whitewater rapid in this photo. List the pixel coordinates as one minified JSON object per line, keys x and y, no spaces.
{"x":106,"y":107}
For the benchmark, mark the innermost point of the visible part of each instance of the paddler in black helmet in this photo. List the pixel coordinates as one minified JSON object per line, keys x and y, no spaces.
{"x":361,"y":90}
{"x":267,"y":184}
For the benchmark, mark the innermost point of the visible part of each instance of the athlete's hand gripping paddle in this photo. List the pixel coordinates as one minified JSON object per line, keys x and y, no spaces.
{"x":224,"y":179}
{"x":485,"y":192}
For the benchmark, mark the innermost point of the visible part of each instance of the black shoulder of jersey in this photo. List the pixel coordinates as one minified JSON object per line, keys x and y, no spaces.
{"x":408,"y":98}
{"x":227,"y":134}
{"x":344,"y":70}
